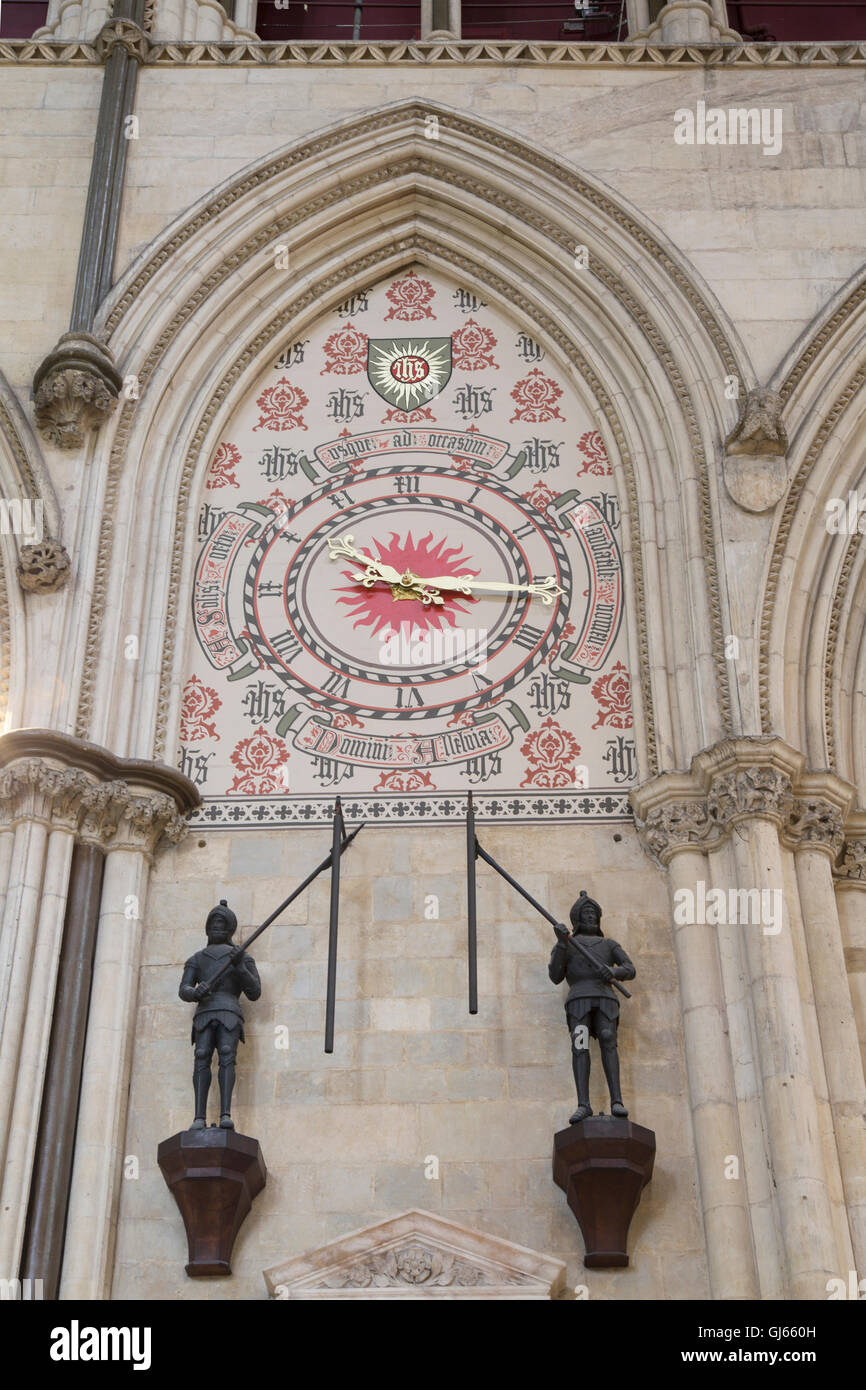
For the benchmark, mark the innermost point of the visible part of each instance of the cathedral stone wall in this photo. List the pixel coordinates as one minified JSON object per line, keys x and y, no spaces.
{"x":347,"y":1137}
{"x":47,"y":126}
{"x":773,"y":236}
{"x":743,"y":624}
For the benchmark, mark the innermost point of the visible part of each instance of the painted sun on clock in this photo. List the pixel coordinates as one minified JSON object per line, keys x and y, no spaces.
{"x":409,"y":581}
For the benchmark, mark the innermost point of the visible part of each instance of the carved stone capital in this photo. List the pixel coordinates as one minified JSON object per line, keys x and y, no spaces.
{"x":814,"y":822}
{"x":677,"y":826}
{"x":113,"y":803}
{"x":44,"y":567}
{"x":737,"y":781}
{"x":852,"y":867}
{"x":749,"y":792}
{"x":75,"y":390}
{"x":123,"y":33}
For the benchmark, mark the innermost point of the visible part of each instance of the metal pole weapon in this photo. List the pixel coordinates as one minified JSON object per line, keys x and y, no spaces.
{"x":239,"y":950}
{"x":471,"y":853}
{"x":488,"y":859}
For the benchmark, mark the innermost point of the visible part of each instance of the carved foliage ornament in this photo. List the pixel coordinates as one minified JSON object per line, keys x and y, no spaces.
{"x":108,"y":814}
{"x":853,"y":865}
{"x":815,"y":822}
{"x":43,"y":567}
{"x":742,"y":793}
{"x":74,"y":390}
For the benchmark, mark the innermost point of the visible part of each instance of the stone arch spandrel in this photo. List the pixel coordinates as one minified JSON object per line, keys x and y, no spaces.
{"x":369,"y":189}
{"x":811,"y":615}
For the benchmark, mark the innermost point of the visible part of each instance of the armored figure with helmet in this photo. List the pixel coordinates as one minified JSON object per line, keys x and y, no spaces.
{"x":591,"y":1009}
{"x":218,"y":1023}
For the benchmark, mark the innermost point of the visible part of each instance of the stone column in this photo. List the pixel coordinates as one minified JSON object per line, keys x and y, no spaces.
{"x":55,"y":789}
{"x":677,"y":833}
{"x":46,"y":1215}
{"x":26,"y":1089}
{"x":440,"y":19}
{"x":798,"y":1075}
{"x":851,"y":902}
{"x":751,"y":790}
{"x":689,"y":21}
{"x":75,"y":388}
{"x":134,"y":825}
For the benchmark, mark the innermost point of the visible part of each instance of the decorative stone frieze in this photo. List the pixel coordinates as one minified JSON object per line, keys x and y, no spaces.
{"x":75,"y":389}
{"x":44,"y":567}
{"x":736,"y":781}
{"x":110,"y":802}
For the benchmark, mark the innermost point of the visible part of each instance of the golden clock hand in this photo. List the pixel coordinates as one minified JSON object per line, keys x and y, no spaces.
{"x":374,"y":570}
{"x":545,"y":589}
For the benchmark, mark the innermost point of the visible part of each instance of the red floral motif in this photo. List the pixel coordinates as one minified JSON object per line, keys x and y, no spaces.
{"x":405,"y":780}
{"x":345,"y":351}
{"x":472,"y":348}
{"x":463,"y":462}
{"x":223,"y":463}
{"x":199,"y":704}
{"x":551,"y":751}
{"x":281,"y":407}
{"x":541,"y":496}
{"x":347,"y":721}
{"x":591,"y":445}
{"x":461,"y":720}
{"x":340,"y":720}
{"x":613,"y":693}
{"x":536,"y":396}
{"x":400,"y":417}
{"x":410,"y":299}
{"x":277,"y":502}
{"x":259,"y":760}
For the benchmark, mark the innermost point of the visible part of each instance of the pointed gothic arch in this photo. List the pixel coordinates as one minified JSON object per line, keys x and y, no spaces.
{"x":813,"y":612}
{"x":636,"y":330}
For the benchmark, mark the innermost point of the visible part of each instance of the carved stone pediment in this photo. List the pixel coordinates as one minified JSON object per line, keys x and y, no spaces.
{"x":418,"y":1255}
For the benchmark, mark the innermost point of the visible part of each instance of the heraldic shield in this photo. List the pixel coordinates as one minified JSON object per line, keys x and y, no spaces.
{"x":408,"y":372}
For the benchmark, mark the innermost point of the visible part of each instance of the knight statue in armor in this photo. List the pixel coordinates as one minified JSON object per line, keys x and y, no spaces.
{"x":218,"y":1022}
{"x":591,"y":1009}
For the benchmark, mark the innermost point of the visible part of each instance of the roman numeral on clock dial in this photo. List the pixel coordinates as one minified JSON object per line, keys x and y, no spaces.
{"x":286,"y":645}
{"x":528,"y":637}
{"x":337,"y":685}
{"x":407,"y":697}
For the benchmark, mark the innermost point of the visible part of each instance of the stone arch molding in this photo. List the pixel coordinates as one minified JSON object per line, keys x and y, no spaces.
{"x":196,"y":316}
{"x":32,"y":557}
{"x":813,"y":608}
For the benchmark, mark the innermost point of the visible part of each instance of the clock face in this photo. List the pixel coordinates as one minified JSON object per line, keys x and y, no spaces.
{"x":453,"y":452}
{"x":365,"y":653}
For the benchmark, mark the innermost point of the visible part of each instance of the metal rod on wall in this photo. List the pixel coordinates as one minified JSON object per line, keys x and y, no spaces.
{"x":337,"y":845}
{"x":471,"y":853}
